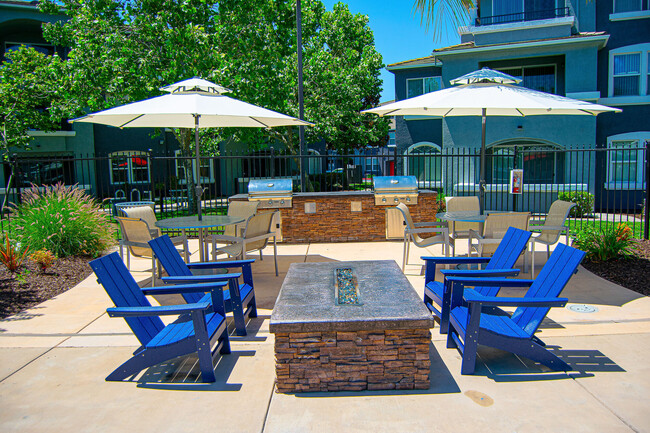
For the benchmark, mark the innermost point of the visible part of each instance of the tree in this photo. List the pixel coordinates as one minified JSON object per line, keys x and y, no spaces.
{"x":439,"y":13}
{"x":29,"y":96}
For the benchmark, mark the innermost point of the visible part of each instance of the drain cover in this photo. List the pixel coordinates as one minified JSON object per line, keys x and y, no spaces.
{"x":582,"y":308}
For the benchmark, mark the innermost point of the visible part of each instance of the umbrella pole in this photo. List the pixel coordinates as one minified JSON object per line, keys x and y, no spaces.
{"x":482,"y":182}
{"x":198,"y":188}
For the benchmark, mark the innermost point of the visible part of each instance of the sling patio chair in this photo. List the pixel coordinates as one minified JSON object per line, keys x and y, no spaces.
{"x":475,"y":319}
{"x":136,"y":234}
{"x":437,"y":295}
{"x":550,"y":232}
{"x":412,"y":232}
{"x":255,"y":235}
{"x":460,"y":229}
{"x":495,"y":226}
{"x":238,"y":298}
{"x":243,"y":209}
{"x":200,"y":328}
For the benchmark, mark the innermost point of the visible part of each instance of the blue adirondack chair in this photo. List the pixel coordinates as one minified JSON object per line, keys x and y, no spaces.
{"x":437,"y":295}
{"x":238,"y":298}
{"x":192,"y":332}
{"x":481,"y":322}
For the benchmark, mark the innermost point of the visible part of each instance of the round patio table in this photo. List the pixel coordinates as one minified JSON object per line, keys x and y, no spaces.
{"x":466,"y":216}
{"x":192,"y":222}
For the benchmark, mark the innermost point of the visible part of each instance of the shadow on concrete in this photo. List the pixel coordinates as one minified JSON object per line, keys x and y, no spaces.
{"x":184,"y":374}
{"x":588,"y":288}
{"x":502,"y":366}
{"x":252,"y":328}
{"x":442,"y":382}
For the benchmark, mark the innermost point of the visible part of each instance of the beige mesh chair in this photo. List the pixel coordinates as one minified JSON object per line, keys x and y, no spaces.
{"x":459,"y":229}
{"x":243,"y":209}
{"x":495,"y":227}
{"x":553,"y":227}
{"x":145,"y":213}
{"x":255,"y":235}
{"x":136,"y":233}
{"x":412,"y":234}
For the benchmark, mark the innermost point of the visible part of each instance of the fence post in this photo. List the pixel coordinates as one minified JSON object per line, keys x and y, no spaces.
{"x":646,"y":204}
{"x":272,"y":169}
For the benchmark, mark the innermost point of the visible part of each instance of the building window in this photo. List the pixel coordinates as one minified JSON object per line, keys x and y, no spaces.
{"x":541,"y":78}
{"x":542,"y":164}
{"x":621,"y":6}
{"x":391,"y":139}
{"x":629,"y":70}
{"x":129,"y":167}
{"x":207,"y":172}
{"x":420,"y":86}
{"x":424,"y":161}
{"x":625,"y":160}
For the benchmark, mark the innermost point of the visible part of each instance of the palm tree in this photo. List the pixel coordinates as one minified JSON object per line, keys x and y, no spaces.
{"x":439,"y":13}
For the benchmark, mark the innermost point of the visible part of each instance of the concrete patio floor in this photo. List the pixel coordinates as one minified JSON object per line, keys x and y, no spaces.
{"x":55,"y":356}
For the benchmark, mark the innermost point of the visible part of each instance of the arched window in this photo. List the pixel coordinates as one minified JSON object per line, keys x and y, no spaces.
{"x":541,"y":162}
{"x":424,"y":161}
{"x":129,"y":167}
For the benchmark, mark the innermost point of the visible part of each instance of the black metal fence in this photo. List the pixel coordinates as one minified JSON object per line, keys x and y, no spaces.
{"x":609,"y":183}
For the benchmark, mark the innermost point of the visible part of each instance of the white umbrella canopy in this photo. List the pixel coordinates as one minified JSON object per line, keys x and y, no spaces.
{"x":488,"y":93}
{"x":193,"y":103}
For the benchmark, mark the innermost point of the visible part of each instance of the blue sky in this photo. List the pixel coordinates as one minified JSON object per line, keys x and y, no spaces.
{"x":398,"y":33}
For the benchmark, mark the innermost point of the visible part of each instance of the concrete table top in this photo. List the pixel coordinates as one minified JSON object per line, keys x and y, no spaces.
{"x":388,"y":300}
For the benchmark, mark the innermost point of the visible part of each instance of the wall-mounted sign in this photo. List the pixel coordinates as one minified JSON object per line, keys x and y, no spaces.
{"x":516,"y":181}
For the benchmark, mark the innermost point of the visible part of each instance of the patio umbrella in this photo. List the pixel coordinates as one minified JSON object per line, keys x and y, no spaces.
{"x":488,"y":93}
{"x":193,"y":103}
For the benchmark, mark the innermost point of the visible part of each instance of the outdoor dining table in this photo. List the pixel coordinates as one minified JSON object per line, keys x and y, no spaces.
{"x":192,"y":222}
{"x":465,"y":216}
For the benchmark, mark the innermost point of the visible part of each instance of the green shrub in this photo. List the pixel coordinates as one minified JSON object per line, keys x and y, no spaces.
{"x":603,"y":245}
{"x":63,"y":220}
{"x":583,"y":200}
{"x":43,"y":258}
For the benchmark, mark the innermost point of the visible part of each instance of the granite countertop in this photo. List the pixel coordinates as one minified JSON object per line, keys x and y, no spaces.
{"x":327,"y":194}
{"x":388,"y":300}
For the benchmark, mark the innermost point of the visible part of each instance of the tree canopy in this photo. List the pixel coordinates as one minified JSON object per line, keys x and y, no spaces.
{"x":120,"y":51}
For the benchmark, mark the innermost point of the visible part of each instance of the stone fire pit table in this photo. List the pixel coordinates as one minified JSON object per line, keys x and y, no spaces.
{"x":324,"y":344}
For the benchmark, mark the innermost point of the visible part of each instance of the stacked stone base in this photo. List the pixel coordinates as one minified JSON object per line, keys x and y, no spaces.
{"x":352,"y":361}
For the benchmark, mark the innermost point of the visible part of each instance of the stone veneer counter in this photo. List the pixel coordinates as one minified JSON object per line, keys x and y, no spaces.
{"x":381,"y":343}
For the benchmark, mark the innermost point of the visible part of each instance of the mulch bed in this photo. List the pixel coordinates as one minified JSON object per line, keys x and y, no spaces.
{"x":30,"y":286}
{"x":633,"y":273}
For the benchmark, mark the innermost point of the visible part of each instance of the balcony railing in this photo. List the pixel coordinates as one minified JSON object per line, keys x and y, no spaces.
{"x":523,"y":16}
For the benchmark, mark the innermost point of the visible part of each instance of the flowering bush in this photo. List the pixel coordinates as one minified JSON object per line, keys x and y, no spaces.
{"x":63,"y":220}
{"x":608,"y":244}
{"x":43,"y":258}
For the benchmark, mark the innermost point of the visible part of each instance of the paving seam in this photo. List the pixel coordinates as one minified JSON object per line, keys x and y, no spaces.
{"x":268,"y":408}
{"x":607,"y":407}
{"x":52,"y":348}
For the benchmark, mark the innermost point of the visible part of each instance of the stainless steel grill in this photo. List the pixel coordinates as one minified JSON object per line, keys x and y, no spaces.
{"x":392,"y":190}
{"x":271,"y":193}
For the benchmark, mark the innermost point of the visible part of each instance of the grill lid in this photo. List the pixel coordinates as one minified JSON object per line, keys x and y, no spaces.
{"x":395,"y":184}
{"x":270,"y":187}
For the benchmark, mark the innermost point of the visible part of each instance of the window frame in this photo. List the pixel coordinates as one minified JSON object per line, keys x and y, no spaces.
{"x":437,"y":149}
{"x":559,"y":167}
{"x":422,"y":79}
{"x":640,"y":2}
{"x":541,"y":65}
{"x":644,"y":69}
{"x":638,"y":139}
{"x":129,"y":155}
{"x":205,"y":163}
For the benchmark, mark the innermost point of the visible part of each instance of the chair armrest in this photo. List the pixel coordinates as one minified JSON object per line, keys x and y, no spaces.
{"x":220,"y":265}
{"x":480,"y":272}
{"x":474,"y":234}
{"x":456,"y":260}
{"x":492,"y":282}
{"x":431,"y":224}
{"x":427,"y":230}
{"x":134,"y":244}
{"x":184,"y":288}
{"x":167,"y":310}
{"x":232,"y":239}
{"x":550,"y":228}
{"x":200,"y":278}
{"x":472,"y":296}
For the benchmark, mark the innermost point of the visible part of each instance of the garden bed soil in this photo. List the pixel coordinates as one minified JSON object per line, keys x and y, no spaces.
{"x":632,"y":273}
{"x":31,"y":286}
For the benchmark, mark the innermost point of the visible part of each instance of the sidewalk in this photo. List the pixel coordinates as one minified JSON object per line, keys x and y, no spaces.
{"x":55,"y":356}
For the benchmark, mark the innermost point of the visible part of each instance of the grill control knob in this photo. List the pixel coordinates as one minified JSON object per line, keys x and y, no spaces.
{"x":383,"y":199}
{"x":270,"y":202}
{"x":396,"y":200}
{"x":408,"y":199}
{"x":281,"y":201}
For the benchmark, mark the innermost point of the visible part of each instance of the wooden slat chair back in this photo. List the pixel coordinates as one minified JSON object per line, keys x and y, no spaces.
{"x":238,"y":299}
{"x":550,"y":282}
{"x":243,"y":209}
{"x":461,"y":229}
{"x":125,"y":292}
{"x":146,"y":214}
{"x":437,"y":296}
